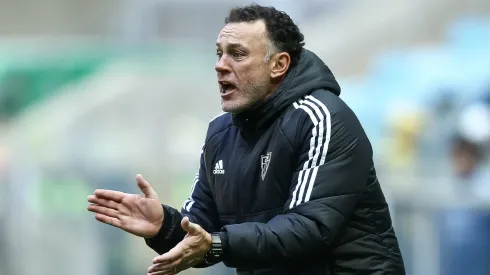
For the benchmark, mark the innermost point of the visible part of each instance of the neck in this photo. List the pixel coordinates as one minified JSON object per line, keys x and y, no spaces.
{"x":271,"y":91}
{"x":274,"y":86}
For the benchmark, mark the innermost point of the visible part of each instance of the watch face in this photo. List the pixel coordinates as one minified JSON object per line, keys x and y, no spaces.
{"x":215,"y":238}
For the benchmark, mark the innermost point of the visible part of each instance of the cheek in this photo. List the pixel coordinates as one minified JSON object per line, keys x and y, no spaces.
{"x":258,"y":77}
{"x":244,"y":75}
{"x":252,"y":73}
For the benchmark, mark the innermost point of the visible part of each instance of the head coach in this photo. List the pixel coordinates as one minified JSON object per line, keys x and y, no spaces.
{"x":287,"y":183}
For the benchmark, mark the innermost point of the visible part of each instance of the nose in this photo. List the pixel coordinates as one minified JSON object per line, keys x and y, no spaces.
{"x":221,"y":65}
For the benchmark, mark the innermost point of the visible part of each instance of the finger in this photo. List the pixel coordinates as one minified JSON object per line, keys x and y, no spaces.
{"x":109,"y":195}
{"x":103,"y":210}
{"x":173,"y":255}
{"x":102,"y":202}
{"x":108,"y":220}
{"x":164,"y":258}
{"x":189,"y":227}
{"x":166,"y":268}
{"x":160,"y":267}
{"x":145,"y":187}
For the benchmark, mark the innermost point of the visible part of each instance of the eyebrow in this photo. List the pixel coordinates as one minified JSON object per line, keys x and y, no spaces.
{"x":232,"y":45}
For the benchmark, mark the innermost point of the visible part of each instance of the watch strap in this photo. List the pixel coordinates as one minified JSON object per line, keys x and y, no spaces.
{"x":215,"y":253}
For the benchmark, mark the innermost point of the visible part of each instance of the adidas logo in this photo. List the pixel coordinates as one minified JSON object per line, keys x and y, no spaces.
{"x":218,"y":168}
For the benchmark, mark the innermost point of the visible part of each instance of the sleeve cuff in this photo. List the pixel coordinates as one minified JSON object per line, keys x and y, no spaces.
{"x":170,"y":234}
{"x":223,"y":235}
{"x":167,"y":223}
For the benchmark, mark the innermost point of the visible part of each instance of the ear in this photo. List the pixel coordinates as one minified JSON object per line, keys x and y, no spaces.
{"x":279,"y":64}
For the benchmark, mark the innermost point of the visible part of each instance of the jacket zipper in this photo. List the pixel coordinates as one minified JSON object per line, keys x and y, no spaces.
{"x":241,"y":177}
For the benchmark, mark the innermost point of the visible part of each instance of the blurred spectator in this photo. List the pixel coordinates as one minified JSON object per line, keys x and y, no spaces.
{"x":467,"y":159}
{"x":470,"y":148}
{"x":465,"y":238}
{"x":406,"y":131}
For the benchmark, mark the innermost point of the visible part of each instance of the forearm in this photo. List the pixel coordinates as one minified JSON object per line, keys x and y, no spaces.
{"x":285,"y":239}
{"x":170,"y":234}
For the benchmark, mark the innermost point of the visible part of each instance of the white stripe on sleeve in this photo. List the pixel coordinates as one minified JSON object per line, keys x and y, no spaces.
{"x":319,"y":141}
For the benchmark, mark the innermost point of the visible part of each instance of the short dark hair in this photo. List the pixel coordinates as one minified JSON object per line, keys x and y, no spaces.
{"x":283,"y":33}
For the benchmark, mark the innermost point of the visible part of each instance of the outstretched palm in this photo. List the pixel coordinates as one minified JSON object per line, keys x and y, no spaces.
{"x":141,"y":215}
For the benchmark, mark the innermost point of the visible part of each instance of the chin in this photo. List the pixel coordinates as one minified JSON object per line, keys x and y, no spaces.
{"x":233,"y":107}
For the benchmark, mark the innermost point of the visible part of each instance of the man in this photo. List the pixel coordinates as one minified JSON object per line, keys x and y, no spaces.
{"x":463,"y":227}
{"x":286,"y":184}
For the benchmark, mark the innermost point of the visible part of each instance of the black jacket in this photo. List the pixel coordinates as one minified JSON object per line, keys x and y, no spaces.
{"x":291,"y":186}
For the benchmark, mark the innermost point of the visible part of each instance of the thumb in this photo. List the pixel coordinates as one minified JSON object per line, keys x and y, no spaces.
{"x":189,"y":227}
{"x":146,"y":188}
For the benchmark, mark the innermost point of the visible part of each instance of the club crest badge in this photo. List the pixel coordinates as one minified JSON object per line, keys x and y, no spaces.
{"x":264,"y":163}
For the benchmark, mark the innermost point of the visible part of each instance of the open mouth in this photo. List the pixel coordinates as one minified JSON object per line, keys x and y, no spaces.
{"x":226,"y":87}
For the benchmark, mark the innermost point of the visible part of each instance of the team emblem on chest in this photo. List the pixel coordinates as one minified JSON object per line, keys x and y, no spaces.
{"x":264,"y":163}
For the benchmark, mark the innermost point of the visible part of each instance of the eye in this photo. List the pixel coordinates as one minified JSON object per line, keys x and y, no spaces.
{"x":238,"y":55}
{"x":219,"y":54}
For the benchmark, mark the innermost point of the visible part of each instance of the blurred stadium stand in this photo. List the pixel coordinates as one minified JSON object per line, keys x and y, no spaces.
{"x":92,"y":93}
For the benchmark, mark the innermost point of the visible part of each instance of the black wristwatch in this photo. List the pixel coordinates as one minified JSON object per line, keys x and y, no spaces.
{"x":215,"y":254}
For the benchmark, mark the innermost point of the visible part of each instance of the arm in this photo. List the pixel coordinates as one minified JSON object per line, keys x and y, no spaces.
{"x":199,"y":207}
{"x":324,"y":191}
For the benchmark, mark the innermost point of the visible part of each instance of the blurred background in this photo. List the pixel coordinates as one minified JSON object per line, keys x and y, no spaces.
{"x":94,"y":92}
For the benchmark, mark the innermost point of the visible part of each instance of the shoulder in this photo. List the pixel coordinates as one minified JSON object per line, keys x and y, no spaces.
{"x":218,"y":124}
{"x":327,"y":116}
{"x":319,"y":106}
{"x":329,"y":103}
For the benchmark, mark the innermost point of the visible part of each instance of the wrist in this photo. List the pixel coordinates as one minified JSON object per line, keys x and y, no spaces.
{"x":158,"y":224}
{"x":161,"y":225}
{"x":209,"y":242}
{"x":215,"y":252}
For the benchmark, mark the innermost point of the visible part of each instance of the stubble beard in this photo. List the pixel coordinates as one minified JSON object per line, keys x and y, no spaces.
{"x":249,"y":97}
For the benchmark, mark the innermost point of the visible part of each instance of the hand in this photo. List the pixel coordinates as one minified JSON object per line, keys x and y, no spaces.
{"x":141,"y":215}
{"x":186,"y":254}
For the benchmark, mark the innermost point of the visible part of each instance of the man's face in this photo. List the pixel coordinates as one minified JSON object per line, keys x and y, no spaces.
{"x":244,"y":76}
{"x":464,"y":162}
